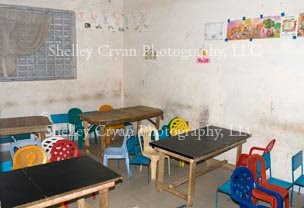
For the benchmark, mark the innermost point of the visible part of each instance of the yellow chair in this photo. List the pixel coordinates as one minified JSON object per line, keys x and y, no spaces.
{"x":178,"y":126}
{"x":108,"y":130}
{"x":29,"y":156}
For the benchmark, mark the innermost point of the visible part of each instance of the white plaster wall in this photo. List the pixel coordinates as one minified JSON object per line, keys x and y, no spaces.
{"x":99,"y":79}
{"x":263,"y":92}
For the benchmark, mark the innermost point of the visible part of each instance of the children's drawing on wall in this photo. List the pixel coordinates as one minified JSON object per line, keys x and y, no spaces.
{"x":301,"y":25}
{"x":108,"y":21}
{"x":240,"y":29}
{"x":267,"y":27}
{"x":150,"y":53}
{"x":289,"y":26}
{"x":203,"y":59}
{"x":213,"y":31}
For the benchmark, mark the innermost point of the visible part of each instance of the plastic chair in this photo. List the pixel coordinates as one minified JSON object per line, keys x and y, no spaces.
{"x":108,"y":129}
{"x":29,"y":156}
{"x":76,"y":122}
{"x":178,"y":126}
{"x":64,"y":149}
{"x":285,"y":184}
{"x":225,"y":189}
{"x":6,"y":166}
{"x":48,"y":144}
{"x":244,"y":157}
{"x":137,"y":158}
{"x":145,"y":133}
{"x":60,"y":120}
{"x":22,"y":143}
{"x":243,"y":186}
{"x":119,"y":152}
{"x":297,"y":162}
{"x":257,"y":166}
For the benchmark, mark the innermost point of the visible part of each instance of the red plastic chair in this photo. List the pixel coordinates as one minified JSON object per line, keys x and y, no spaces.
{"x":244,"y":157}
{"x":64,"y":149}
{"x":261,"y":179}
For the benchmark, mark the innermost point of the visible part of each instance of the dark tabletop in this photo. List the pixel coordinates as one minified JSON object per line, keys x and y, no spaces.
{"x":35,"y":183}
{"x":201,"y":142}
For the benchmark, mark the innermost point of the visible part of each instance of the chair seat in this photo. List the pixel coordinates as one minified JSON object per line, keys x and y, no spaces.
{"x":283,"y":192}
{"x":300,"y":181}
{"x":225,"y":188}
{"x":114,"y":151}
{"x":285,"y":184}
{"x":140,"y":160}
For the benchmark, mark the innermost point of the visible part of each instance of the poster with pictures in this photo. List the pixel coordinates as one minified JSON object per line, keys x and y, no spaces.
{"x":267,"y":27}
{"x":301,"y":25}
{"x":240,"y":29}
{"x":289,"y":26}
{"x":213,"y":31}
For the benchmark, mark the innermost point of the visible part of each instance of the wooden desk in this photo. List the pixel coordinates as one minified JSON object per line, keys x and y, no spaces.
{"x":22,"y":125}
{"x":57,"y":182}
{"x":117,"y":116}
{"x":193,"y":147}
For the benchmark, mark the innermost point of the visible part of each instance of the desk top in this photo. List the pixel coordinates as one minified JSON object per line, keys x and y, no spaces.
{"x":40,"y":183}
{"x":20,"y":125}
{"x":121,"y":115}
{"x":203,"y":143}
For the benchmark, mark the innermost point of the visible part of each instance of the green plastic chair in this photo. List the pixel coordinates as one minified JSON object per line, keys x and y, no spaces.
{"x":76,"y":122}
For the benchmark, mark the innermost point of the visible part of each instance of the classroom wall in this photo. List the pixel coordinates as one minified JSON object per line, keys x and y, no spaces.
{"x":99,"y":79}
{"x":256,"y":85}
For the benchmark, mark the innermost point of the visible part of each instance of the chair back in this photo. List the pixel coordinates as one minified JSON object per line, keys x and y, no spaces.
{"x":48,"y":143}
{"x":64,"y":149}
{"x":297,"y":162}
{"x":59,"y":118}
{"x":257,"y":166}
{"x":145,"y":133}
{"x":73,"y":116}
{"x":164,"y":133}
{"x":178,"y":126}
{"x":29,"y":156}
{"x":105,"y":108}
{"x":269,"y":146}
{"x":267,"y":160}
{"x":241,"y":184}
{"x":22,"y":143}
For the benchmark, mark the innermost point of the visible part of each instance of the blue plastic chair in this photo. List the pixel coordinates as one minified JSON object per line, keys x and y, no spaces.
{"x":242,"y":184}
{"x":275,"y":181}
{"x":297,"y":162}
{"x":60,"y":119}
{"x":6,"y":166}
{"x":225,"y":189}
{"x":136,"y":157}
{"x":76,"y":122}
{"x":119,"y":152}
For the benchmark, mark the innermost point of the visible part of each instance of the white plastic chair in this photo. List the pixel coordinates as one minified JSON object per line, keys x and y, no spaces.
{"x":48,"y":143}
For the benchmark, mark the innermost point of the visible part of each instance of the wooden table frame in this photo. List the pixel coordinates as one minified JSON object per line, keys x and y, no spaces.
{"x":193,"y":173}
{"x":103,"y":124}
{"x":23,"y":125}
{"x":76,"y":194}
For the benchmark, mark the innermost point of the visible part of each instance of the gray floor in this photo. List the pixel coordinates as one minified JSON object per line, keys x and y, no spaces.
{"x":138,"y":193}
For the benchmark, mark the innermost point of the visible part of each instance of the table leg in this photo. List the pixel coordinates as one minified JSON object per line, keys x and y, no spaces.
{"x":191,"y":187}
{"x":104,"y":198}
{"x":41,"y":136}
{"x":238,"y":153}
{"x":160,"y":170}
{"x":157,"y":122}
{"x":81,"y":203}
{"x":102,"y":137}
{"x":138,"y":126}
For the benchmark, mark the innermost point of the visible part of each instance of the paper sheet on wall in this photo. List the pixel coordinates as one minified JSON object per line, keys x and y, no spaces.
{"x":213,"y":31}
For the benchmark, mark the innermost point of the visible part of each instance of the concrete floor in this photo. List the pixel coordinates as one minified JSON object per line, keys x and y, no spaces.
{"x":138,"y":193}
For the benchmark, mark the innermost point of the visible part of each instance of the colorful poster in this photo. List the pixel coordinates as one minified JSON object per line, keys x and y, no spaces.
{"x":240,"y":29}
{"x":289,"y":26}
{"x":267,"y":27}
{"x":214,"y":31}
{"x":301,"y":25}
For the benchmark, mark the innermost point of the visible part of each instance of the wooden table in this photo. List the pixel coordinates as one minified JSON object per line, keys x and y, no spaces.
{"x":196,"y":146}
{"x":57,"y":182}
{"x":117,"y":116}
{"x":22,"y":125}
